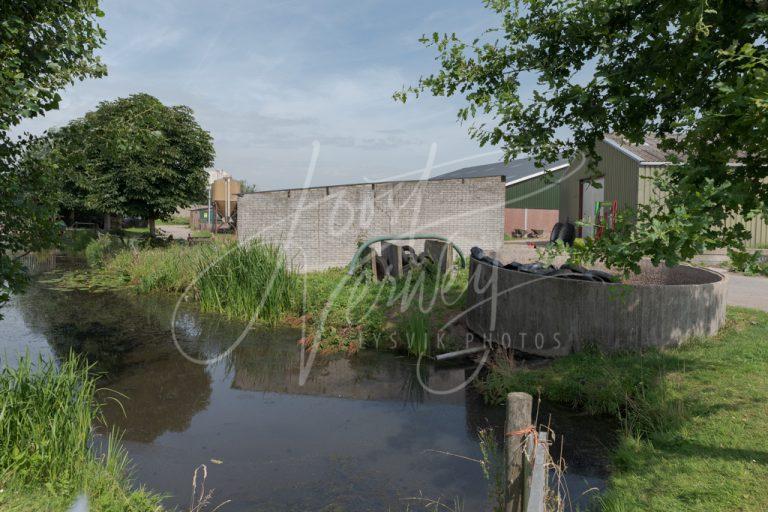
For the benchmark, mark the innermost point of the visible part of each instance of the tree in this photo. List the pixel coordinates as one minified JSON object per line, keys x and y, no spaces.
{"x":692,"y":72}
{"x":135,"y":156}
{"x":44,"y":46}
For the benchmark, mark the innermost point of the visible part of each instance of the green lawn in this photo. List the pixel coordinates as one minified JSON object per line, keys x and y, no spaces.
{"x":694,"y":434}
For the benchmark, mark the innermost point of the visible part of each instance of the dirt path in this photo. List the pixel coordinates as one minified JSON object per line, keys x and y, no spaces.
{"x":178,"y":231}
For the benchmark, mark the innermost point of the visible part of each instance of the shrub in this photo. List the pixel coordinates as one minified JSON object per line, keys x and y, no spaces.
{"x":750,"y":263}
{"x":76,"y":240}
{"x":101,"y":248}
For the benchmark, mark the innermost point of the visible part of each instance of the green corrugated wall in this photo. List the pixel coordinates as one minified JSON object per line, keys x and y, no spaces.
{"x":538,"y":193}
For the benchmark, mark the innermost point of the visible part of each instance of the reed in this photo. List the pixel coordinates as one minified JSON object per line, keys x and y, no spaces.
{"x":415,"y":332}
{"x":47,"y":415}
{"x":239,"y":281}
{"x":248,"y":280}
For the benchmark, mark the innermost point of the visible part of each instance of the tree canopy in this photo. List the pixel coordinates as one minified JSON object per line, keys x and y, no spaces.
{"x":691,"y":72}
{"x":44,"y":46}
{"x":134,"y":156}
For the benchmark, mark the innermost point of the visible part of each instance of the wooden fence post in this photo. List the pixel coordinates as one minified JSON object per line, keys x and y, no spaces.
{"x":519,"y":407}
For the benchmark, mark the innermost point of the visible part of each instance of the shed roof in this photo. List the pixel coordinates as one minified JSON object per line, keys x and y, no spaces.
{"x":647,"y":152}
{"x":513,"y":172}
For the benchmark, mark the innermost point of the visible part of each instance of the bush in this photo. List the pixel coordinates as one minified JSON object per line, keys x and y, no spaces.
{"x":76,"y":240}
{"x":750,"y":263}
{"x":248,"y":280}
{"x":102,"y":248}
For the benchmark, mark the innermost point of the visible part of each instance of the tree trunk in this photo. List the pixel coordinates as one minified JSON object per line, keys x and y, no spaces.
{"x":107,"y":222}
{"x":151,"y":224}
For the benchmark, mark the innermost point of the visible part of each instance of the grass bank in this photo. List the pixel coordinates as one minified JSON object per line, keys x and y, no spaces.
{"x":242,"y":282}
{"x":46,"y":419}
{"x":693,"y":418}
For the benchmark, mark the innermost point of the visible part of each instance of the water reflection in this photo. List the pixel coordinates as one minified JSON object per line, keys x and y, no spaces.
{"x":361,"y":434}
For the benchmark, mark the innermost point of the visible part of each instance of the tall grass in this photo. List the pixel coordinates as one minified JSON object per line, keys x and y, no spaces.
{"x":241,"y":281}
{"x":46,"y":421}
{"x":236,"y":280}
{"x":46,"y":418}
{"x":248,"y":280}
{"x":415,"y":332}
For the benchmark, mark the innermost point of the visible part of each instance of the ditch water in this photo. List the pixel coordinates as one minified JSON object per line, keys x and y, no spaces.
{"x":361,"y":434}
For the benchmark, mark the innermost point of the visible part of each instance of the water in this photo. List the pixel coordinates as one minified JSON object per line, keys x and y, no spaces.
{"x":361,"y":434}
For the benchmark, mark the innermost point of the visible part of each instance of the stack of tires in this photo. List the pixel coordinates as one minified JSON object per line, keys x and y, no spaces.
{"x":564,"y":231}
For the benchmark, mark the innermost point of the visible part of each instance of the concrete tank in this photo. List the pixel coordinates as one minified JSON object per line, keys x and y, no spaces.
{"x":551,"y":316}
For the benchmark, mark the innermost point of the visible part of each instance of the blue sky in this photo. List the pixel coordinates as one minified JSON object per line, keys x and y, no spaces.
{"x":267,"y":78}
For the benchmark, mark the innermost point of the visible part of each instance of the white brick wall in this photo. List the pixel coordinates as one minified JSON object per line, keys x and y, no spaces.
{"x":320,"y":227}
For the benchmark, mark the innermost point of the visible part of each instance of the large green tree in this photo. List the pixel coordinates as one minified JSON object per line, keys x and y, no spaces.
{"x":45,"y":45}
{"x":692,"y":72}
{"x":134,"y":156}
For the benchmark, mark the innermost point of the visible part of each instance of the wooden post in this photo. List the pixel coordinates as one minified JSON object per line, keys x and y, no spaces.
{"x":537,"y":493}
{"x":519,"y":407}
{"x":441,"y":253}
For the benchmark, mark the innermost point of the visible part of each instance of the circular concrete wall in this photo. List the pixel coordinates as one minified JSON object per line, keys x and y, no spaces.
{"x":552,"y":316}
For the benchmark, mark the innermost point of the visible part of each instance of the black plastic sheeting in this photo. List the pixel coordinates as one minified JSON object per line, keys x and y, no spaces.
{"x":567,"y":271}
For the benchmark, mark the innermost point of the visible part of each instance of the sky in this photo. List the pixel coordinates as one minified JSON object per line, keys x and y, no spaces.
{"x":268,"y":78}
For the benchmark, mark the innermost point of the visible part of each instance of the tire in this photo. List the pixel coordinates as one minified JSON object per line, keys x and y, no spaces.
{"x":409,"y":255}
{"x":381,"y":270}
{"x":567,"y":234}
{"x":553,"y":236}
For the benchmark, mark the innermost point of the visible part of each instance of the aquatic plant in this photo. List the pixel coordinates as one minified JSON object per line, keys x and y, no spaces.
{"x":251,"y":279}
{"x":47,"y":413}
{"x":238,"y":281}
{"x":415,"y":332}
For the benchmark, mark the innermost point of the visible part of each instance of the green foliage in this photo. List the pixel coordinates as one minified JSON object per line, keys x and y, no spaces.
{"x":750,"y":263}
{"x":75,"y":241}
{"x":415,"y":332}
{"x":248,"y":280}
{"x":44,"y":46}
{"x":133,"y":156}
{"x":237,"y":281}
{"x":46,"y":460}
{"x":693,"y":72}
{"x":344,"y":312}
{"x":101,"y":248}
{"x":689,"y":439}
{"x":27,"y":210}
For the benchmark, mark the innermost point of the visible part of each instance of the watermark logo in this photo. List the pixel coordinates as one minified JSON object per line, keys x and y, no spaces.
{"x":315,"y":227}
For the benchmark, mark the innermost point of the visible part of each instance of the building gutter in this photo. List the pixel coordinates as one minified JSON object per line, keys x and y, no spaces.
{"x":537,"y":174}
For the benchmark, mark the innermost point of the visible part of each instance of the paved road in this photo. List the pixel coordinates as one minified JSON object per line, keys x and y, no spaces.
{"x":746,"y":291}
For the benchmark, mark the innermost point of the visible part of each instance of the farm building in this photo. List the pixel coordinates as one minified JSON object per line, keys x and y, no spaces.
{"x":624,"y":167}
{"x":532,"y":193}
